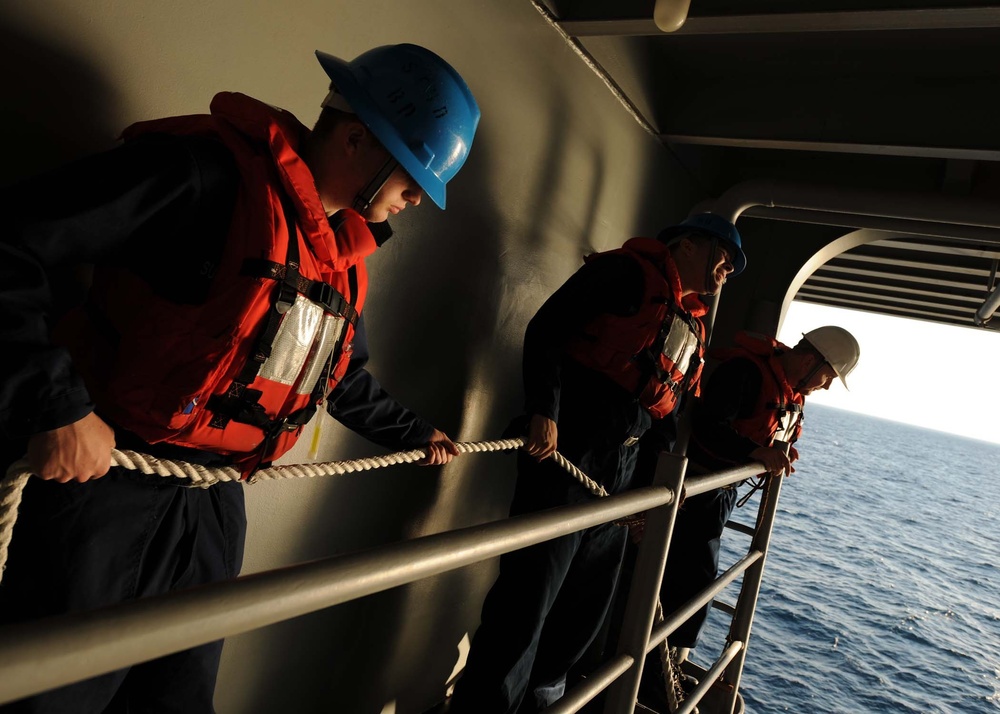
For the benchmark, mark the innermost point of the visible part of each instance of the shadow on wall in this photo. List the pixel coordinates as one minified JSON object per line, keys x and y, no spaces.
{"x":663,"y":195}
{"x":54,"y":107}
{"x":555,"y":185}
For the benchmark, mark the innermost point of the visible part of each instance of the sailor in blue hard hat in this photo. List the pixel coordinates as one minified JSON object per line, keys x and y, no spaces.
{"x":222,"y":230}
{"x":421,"y":117}
{"x":724,"y":247}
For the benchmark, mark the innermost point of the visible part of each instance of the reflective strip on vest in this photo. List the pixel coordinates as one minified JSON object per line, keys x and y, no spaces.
{"x":303,"y":345}
{"x":680,"y":345}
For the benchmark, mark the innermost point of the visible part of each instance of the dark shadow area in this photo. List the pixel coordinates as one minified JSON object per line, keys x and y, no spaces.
{"x":54,"y":107}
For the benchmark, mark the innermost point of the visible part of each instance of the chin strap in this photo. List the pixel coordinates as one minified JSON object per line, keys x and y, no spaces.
{"x":709,"y":273}
{"x":820,"y":364}
{"x":363,"y":200}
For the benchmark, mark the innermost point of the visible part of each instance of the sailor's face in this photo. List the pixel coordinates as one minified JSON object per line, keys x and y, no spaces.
{"x":397,"y":193}
{"x":719,"y":267}
{"x":820,"y":379}
{"x":399,"y":190}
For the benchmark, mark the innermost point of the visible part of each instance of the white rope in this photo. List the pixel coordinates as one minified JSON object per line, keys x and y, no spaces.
{"x":671,"y":677}
{"x":12,"y":485}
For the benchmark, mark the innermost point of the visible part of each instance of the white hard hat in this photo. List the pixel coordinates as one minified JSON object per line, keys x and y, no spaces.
{"x":838,"y":347}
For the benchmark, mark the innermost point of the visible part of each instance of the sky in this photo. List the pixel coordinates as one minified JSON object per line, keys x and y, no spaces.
{"x":930,"y":375}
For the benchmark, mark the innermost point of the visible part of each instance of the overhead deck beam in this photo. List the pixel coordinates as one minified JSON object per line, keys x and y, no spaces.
{"x":835,"y":147}
{"x":912,"y":264}
{"x":833,"y":292}
{"x":933,"y":315}
{"x":815,"y":281}
{"x":972,"y":234}
{"x":886,"y":275}
{"x":900,"y":244}
{"x":861,"y":21}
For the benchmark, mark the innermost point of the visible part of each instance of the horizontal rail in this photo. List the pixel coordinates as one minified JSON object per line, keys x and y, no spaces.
{"x":700,"y":484}
{"x":696,"y":695}
{"x":704,"y":596}
{"x":45,"y":654}
{"x":596,"y":682}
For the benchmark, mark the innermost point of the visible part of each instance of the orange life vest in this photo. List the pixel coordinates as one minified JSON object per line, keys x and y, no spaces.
{"x":240,"y":373}
{"x":778,"y":412}
{"x":658,"y":353}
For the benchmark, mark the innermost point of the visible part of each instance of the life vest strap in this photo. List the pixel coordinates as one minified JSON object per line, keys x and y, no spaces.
{"x":324,"y":295}
{"x":240,"y":403}
{"x":239,"y":400}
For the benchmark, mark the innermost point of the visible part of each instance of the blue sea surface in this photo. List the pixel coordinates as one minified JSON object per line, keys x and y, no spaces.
{"x":881,"y":591}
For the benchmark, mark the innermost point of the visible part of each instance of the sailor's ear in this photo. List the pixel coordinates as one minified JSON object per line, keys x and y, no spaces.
{"x":686,"y":246}
{"x":355,"y":136}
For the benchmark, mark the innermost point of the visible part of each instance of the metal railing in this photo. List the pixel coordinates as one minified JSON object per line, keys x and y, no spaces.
{"x":722,"y":680}
{"x":53,"y":652}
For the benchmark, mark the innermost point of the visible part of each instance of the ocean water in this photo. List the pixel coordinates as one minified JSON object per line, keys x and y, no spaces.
{"x":881,"y":591}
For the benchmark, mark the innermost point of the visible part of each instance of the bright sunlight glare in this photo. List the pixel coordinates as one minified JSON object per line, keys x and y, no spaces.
{"x":922,"y":373}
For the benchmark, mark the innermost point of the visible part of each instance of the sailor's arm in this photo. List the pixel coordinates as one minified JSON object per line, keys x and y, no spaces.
{"x":774,"y":459}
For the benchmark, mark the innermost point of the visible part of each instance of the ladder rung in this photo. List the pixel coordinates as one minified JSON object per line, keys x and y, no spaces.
{"x":736,"y":526}
{"x":725,"y":607}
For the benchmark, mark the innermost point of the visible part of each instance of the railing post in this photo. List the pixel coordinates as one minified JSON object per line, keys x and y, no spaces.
{"x":746,"y":605}
{"x":645,"y":587}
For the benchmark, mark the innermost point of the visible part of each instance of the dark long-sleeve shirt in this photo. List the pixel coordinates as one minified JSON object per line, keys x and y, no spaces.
{"x":730,"y":393}
{"x":160,"y":205}
{"x":612,"y":283}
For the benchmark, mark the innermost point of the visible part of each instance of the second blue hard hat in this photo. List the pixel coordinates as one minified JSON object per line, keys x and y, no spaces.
{"x":711,"y":225}
{"x":416,"y":104}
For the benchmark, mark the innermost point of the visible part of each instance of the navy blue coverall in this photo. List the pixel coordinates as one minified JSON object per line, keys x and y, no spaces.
{"x":160,"y":205}
{"x":549,"y":600}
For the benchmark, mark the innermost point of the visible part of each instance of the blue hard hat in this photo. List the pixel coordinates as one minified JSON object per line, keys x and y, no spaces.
{"x":711,"y":225}
{"x":416,"y":104}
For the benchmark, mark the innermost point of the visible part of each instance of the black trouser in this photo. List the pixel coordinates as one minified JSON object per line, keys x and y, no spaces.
{"x":692,"y":564}
{"x":81,"y":546}
{"x":549,"y":600}
{"x":693,"y":561}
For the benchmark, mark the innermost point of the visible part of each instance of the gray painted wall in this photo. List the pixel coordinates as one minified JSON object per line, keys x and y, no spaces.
{"x":558,"y":170}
